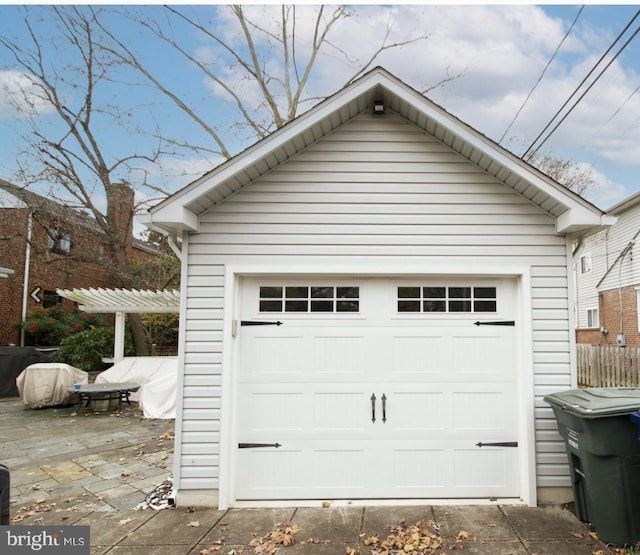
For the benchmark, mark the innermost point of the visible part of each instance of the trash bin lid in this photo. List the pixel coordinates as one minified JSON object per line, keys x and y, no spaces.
{"x":597,"y":402}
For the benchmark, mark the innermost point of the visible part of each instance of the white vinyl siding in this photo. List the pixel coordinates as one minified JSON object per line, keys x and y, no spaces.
{"x":377,"y":190}
{"x":612,"y":243}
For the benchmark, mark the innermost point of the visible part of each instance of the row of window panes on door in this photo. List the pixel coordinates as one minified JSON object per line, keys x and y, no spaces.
{"x":309,"y":299}
{"x":347,"y":299}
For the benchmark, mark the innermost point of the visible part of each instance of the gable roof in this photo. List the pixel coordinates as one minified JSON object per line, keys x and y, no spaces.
{"x":12,"y":196}
{"x":180,"y":211}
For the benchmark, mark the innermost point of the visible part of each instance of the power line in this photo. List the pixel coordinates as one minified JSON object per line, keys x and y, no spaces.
{"x":582,"y":83}
{"x":541,"y":75}
{"x":591,"y":165}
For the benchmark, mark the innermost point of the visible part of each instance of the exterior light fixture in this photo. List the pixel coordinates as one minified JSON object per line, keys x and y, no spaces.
{"x":378,"y":107}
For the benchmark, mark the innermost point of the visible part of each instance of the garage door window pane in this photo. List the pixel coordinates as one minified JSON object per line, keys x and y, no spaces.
{"x":459,"y":292}
{"x":408,"y":306}
{"x":484,"y":306}
{"x":434,"y":292}
{"x":435,"y":306}
{"x":459,"y":306}
{"x":271,"y":292}
{"x":297,"y":292}
{"x":322,"y":292}
{"x":348,"y":292}
{"x":321,"y":306}
{"x":296,"y":306}
{"x":348,"y":306}
{"x":408,"y":292}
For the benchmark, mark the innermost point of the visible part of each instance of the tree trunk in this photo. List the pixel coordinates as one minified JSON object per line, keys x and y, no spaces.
{"x":138,"y":335}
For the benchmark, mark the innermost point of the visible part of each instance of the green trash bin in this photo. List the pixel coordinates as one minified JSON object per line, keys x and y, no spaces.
{"x":604,"y":457}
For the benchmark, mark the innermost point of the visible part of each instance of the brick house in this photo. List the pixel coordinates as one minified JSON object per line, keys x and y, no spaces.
{"x":49,"y":246}
{"x":607,"y":279}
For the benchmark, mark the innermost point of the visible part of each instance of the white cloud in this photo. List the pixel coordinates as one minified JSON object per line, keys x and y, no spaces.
{"x":605,"y":192}
{"x":20,"y":96}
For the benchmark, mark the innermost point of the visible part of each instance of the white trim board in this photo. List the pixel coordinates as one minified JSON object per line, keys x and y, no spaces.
{"x":233,"y":273}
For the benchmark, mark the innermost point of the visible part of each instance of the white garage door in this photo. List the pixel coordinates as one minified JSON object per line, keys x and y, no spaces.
{"x":377,"y":388}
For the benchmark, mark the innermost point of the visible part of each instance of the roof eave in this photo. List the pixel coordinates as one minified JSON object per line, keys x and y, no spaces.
{"x":577,"y":221}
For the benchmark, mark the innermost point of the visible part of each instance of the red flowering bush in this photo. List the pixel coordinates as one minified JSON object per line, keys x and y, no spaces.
{"x":49,"y":326}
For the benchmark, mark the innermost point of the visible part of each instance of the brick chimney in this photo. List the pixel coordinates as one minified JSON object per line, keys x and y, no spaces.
{"x":120,"y":198}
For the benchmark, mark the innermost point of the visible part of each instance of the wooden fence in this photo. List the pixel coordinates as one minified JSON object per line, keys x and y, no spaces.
{"x":604,"y":366}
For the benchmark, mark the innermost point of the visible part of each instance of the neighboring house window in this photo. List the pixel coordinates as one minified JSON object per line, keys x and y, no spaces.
{"x":59,"y":241}
{"x":593,"y":319}
{"x":51,"y":299}
{"x":585,"y":264}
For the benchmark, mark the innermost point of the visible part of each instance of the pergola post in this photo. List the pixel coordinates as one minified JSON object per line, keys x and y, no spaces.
{"x":118,"y":346}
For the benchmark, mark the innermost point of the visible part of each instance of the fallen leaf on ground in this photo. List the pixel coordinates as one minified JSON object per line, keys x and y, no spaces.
{"x":194,"y":524}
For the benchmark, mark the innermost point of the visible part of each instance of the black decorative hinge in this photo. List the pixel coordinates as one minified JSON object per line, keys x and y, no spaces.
{"x":258,"y":323}
{"x":502,"y":323}
{"x":498,"y":444}
{"x":254,"y":445}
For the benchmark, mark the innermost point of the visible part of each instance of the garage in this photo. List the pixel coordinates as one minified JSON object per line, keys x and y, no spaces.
{"x":373,"y":305}
{"x":377,"y":388}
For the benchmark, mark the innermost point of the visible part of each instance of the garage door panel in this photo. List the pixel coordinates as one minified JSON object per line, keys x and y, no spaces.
{"x":272,"y":474}
{"x":339,"y":411}
{"x":483,"y":355}
{"x":483,"y":411}
{"x":339,"y":469}
{"x":275,"y":355}
{"x":273,"y":411}
{"x":425,"y":411}
{"x":419,"y":355}
{"x":419,"y":469}
{"x":482,"y":468}
{"x":339,"y":355}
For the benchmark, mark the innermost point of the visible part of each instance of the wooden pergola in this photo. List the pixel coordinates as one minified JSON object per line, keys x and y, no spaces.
{"x":120,"y":302}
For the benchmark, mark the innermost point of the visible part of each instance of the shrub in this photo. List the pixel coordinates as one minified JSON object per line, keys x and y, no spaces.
{"x":161,"y":328}
{"x":86,"y":349}
{"x":49,"y":326}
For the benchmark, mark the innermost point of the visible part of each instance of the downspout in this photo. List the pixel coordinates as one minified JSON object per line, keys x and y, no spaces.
{"x":627,"y":249}
{"x":27,"y":269}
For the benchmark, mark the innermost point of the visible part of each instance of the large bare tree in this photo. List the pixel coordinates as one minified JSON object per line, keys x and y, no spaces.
{"x":64,"y":142}
{"x":82,"y":131}
{"x":259,"y":60}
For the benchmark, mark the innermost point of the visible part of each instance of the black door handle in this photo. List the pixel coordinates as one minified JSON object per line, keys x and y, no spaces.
{"x":384,"y":408}
{"x":373,"y":407}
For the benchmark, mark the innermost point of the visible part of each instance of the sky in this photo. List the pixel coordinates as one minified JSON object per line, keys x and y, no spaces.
{"x":506,"y":70}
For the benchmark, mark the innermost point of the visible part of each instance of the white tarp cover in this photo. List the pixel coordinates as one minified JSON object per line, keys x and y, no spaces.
{"x":45,"y":384}
{"x":158,"y":380}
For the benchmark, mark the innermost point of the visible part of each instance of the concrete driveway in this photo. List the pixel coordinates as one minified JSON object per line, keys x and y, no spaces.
{"x":71,"y":467}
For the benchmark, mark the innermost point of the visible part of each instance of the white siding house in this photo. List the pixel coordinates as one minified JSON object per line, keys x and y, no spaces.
{"x":373,"y":305}
{"x":608,"y":283}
